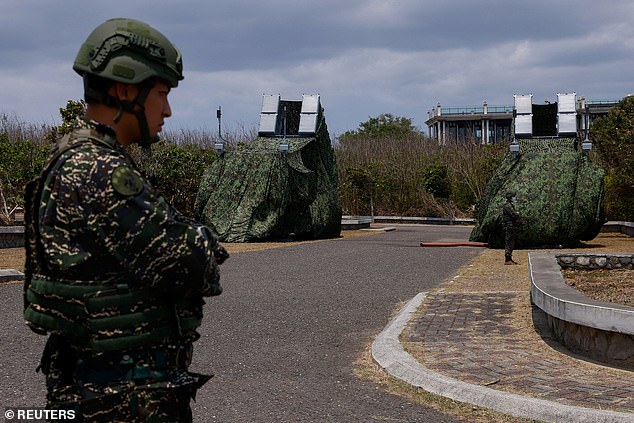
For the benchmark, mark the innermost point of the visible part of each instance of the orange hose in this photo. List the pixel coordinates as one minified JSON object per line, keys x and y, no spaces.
{"x":454,"y":244}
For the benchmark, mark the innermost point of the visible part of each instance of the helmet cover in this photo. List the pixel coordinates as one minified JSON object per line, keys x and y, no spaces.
{"x":129,"y":51}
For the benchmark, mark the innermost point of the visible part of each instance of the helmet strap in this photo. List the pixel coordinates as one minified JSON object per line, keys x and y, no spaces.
{"x":144,"y":89}
{"x":135,"y":107}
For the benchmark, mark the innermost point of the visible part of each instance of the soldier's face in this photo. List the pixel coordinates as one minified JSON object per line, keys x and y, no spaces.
{"x":157,"y":107}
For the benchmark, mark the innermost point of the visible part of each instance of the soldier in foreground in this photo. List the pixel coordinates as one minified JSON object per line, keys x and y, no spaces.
{"x":510,"y":219}
{"x":114,"y":274}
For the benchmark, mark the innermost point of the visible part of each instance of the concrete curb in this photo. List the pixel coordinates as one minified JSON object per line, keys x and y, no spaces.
{"x":7,"y":275}
{"x":622,"y":227}
{"x":11,"y":236}
{"x":412,"y":220}
{"x":385,"y":229}
{"x":388,"y":353}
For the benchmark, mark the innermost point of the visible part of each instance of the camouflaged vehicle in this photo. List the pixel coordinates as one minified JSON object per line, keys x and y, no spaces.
{"x":282,"y":184}
{"x":560,"y":192}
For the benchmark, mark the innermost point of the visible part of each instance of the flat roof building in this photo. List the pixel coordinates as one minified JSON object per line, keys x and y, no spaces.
{"x":491,"y":124}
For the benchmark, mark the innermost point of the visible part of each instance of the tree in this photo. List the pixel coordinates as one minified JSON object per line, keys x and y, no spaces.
{"x":613,"y":136}
{"x":384,"y":126}
{"x":69,"y":114}
{"x":471,"y":166}
{"x":22,"y":161}
{"x":436,"y":181}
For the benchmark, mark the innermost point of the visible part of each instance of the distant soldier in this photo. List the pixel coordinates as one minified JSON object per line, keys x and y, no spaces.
{"x":510,"y":219}
{"x":114,"y":274}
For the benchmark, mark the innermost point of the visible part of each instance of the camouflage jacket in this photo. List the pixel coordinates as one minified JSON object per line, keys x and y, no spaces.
{"x":509,"y":216}
{"x":95,"y":218}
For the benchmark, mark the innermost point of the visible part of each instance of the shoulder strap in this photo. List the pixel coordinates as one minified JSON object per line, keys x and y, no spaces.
{"x":35,"y":262}
{"x":71,"y":141}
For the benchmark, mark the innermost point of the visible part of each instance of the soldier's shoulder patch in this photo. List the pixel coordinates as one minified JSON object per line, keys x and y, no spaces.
{"x":126,"y":182}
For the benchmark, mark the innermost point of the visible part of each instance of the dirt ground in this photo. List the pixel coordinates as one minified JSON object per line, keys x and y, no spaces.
{"x":488,"y":272}
{"x":613,"y":286}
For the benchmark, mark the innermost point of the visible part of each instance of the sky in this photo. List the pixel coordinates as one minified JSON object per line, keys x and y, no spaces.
{"x":363,"y":57}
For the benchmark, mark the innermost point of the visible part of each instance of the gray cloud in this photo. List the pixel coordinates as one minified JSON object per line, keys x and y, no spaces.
{"x":365,"y":57}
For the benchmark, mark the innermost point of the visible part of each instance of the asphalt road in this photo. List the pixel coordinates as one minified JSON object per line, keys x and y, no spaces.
{"x":283,"y":337}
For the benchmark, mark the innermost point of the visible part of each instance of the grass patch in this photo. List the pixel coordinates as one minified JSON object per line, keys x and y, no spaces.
{"x":610,"y":285}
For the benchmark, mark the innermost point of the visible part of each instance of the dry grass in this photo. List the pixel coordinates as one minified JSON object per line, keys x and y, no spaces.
{"x":12,"y":258}
{"x":613,"y":286}
{"x":488,"y":273}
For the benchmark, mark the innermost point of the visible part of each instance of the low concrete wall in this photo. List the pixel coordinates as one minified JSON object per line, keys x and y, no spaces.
{"x":595,"y":261}
{"x":350,"y":222}
{"x":600,"y":330}
{"x":414,"y":220}
{"x":622,"y":227}
{"x":11,"y":236}
{"x":612,"y":226}
{"x":10,"y":275}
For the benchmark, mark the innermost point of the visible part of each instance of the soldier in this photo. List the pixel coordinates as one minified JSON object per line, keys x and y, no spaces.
{"x":114,"y":274}
{"x":510,"y":218}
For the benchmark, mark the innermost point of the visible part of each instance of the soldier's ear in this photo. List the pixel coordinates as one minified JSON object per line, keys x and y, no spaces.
{"x":124,"y":92}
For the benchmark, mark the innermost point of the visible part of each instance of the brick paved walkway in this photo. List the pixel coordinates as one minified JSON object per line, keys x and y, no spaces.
{"x":487,"y":338}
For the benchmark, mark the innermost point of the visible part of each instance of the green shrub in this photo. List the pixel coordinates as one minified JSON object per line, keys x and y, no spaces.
{"x":173,"y":167}
{"x":175,"y":170}
{"x":386,"y":167}
{"x":22,"y":161}
{"x":613,"y":135}
{"x":436,"y":180}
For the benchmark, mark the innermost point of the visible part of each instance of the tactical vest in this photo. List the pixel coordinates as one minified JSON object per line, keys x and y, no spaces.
{"x":102,"y":316}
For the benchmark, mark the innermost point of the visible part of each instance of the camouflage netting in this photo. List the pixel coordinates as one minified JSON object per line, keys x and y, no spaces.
{"x":257,"y":193}
{"x":559,"y":196}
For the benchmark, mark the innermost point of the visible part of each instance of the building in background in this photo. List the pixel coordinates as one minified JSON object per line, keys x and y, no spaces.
{"x":491,"y":124}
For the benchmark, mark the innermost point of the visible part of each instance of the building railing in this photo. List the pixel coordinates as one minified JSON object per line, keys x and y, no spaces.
{"x":462,"y":110}
{"x":471,"y":110}
{"x":500,"y":109}
{"x":602,"y":102}
{"x":480,"y":110}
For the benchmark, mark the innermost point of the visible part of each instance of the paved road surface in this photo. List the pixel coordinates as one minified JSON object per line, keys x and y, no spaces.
{"x":283,"y":338}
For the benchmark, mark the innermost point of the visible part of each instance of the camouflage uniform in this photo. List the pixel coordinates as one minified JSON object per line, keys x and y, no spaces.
{"x":117,"y":277}
{"x":510,"y":217}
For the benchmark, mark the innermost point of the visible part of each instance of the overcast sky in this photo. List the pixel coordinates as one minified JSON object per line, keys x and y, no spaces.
{"x":364,"y":57}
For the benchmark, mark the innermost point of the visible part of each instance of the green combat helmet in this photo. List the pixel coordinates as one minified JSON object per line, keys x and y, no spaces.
{"x":132,"y":52}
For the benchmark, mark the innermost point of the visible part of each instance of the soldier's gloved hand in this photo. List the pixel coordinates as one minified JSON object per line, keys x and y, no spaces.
{"x":211,"y":281}
{"x":220,"y":253}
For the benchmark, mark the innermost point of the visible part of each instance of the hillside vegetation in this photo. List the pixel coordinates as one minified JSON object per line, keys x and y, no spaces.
{"x":386,"y":166}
